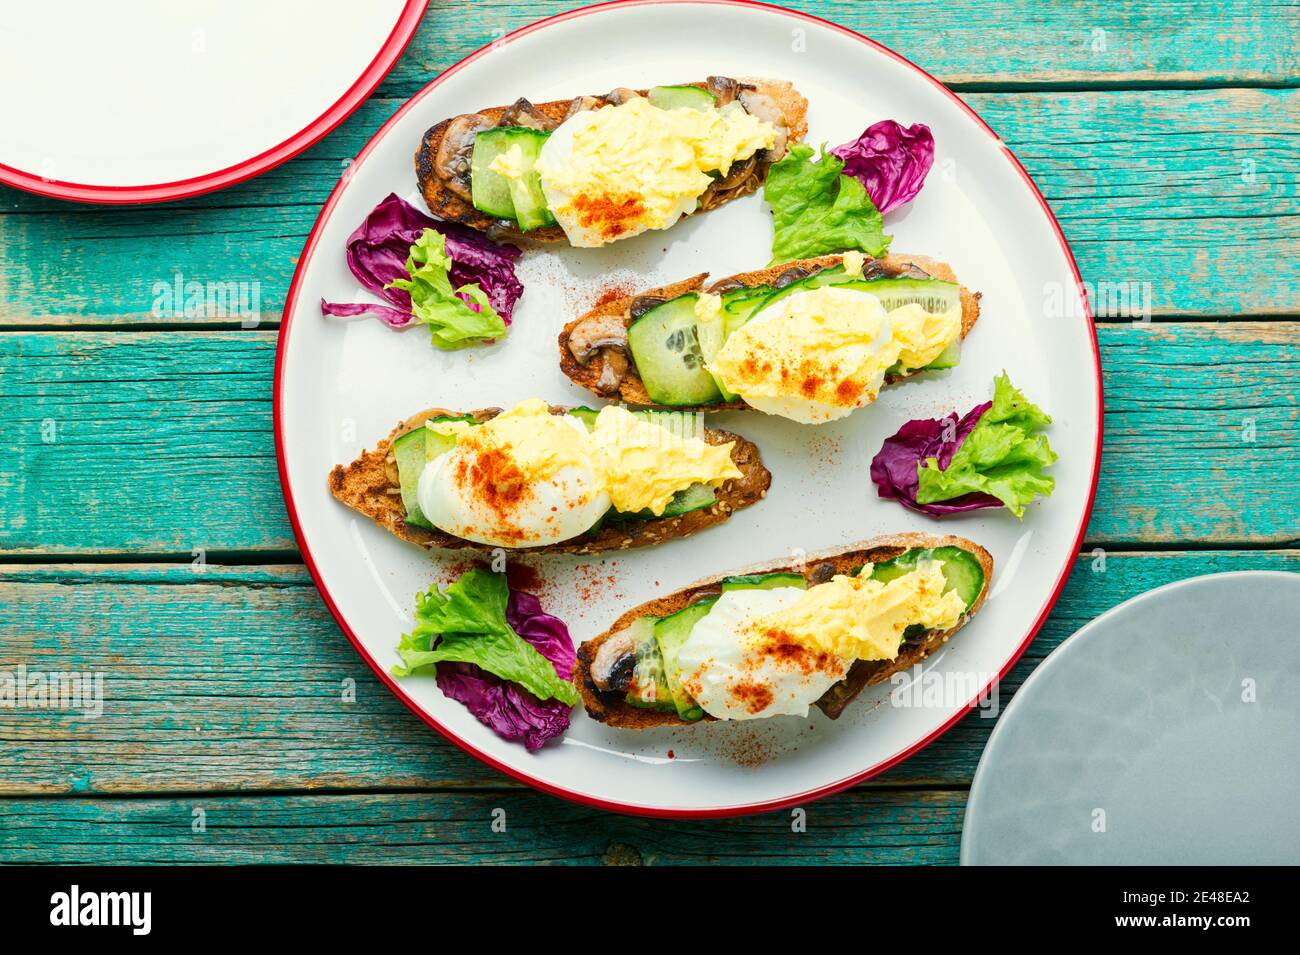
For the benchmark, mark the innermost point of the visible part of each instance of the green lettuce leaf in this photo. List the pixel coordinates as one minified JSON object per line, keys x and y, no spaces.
{"x":450,"y":313}
{"x":467,"y":624}
{"x":816,"y":210}
{"x":1003,"y":456}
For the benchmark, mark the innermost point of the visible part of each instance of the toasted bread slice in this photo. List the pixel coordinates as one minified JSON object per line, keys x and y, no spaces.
{"x":614,"y":710}
{"x":444,"y":201}
{"x":369,"y":485}
{"x":627,"y":385}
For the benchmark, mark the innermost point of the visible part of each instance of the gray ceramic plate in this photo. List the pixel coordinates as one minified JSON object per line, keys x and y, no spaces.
{"x":1167,"y":731}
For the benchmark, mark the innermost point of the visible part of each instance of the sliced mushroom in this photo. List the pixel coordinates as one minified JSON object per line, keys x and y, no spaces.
{"x":619,"y":95}
{"x":615,"y":662}
{"x":743,"y":178}
{"x":644,"y":303}
{"x":452,"y":161}
{"x":912,"y":271}
{"x":600,"y":331}
{"x":875,"y":269}
{"x":724,"y":89}
{"x":791,"y":275}
{"x":580,"y":104}
{"x":737,"y":174}
{"x":769,"y":111}
{"x":726,"y":285}
{"x":822,"y":573}
{"x":841,"y":694}
{"x":524,"y":113}
{"x":603,"y":338}
{"x":613,"y":370}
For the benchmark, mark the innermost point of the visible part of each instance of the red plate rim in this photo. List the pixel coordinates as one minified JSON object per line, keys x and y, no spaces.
{"x":321,"y":126}
{"x":573,"y":795}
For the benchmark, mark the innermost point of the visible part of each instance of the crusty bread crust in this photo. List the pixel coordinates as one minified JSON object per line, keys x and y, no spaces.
{"x":369,"y":485}
{"x":614,"y":711}
{"x":632,"y":390}
{"x":445,"y":204}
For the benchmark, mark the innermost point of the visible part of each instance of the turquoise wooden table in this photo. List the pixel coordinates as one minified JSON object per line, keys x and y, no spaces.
{"x":144,"y":536}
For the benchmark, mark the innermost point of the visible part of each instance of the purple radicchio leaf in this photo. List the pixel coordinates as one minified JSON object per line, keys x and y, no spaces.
{"x":894,"y":468}
{"x":378,"y":248}
{"x":890,"y":161}
{"x":512,"y":712}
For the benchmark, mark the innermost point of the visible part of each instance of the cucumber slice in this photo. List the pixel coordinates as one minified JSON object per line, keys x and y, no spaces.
{"x":829,"y":276}
{"x":586,"y":415}
{"x":413,"y":451}
{"x":409,"y":452}
{"x":670,"y":633}
{"x":739,"y":304}
{"x":666,"y":349}
{"x":682,"y":97}
{"x":711,"y":335}
{"x":764,"y":582}
{"x":436,"y":444}
{"x":960,"y":569}
{"x":527,"y":203}
{"x":949,"y":357}
{"x":692,"y":498}
{"x":936,"y":297}
{"x":649,"y":689}
{"x":933,"y":295}
{"x":490,"y":190}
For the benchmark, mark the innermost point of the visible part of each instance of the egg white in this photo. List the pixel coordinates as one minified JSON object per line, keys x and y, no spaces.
{"x":715,"y":658}
{"x":556,"y":509}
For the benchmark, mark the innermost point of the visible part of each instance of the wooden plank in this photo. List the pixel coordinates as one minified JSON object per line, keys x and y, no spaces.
{"x":160,"y":442}
{"x":149,"y":442}
{"x":1173,"y":190}
{"x":861,"y":828}
{"x":1022,"y":41}
{"x":1202,"y":424}
{"x":231,"y":679}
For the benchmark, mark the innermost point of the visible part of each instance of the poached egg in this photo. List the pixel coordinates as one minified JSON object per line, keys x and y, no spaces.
{"x":735,"y":671}
{"x":812,"y":356}
{"x":760,"y":653}
{"x":818,"y":354}
{"x":530,"y":478}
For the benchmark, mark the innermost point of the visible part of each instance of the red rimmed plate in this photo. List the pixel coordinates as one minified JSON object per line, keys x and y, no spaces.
{"x":157,"y":100}
{"x":340,"y":387}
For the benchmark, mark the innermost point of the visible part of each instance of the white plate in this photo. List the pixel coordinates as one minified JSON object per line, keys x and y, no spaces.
{"x":342,"y":386}
{"x":155,"y":99}
{"x":1165,"y":732}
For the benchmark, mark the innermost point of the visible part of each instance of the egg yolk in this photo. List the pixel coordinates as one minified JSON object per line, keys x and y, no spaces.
{"x":858,"y":618}
{"x":509,"y":163}
{"x":922,"y":335}
{"x":634,"y":165}
{"x":644,"y":464}
{"x":853,"y":262}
